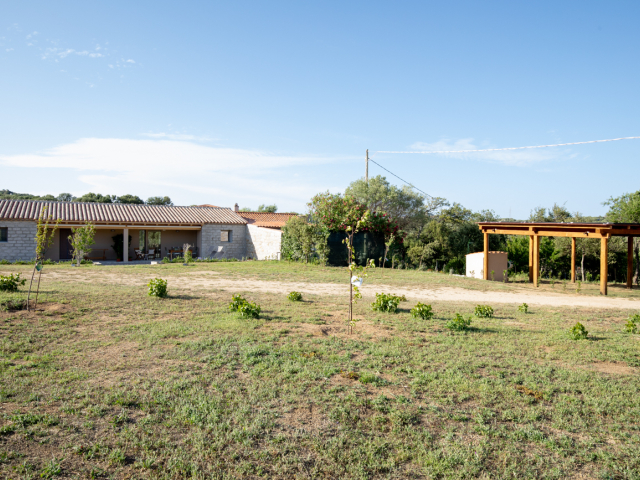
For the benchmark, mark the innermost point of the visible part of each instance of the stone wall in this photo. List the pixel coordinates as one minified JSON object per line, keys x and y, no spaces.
{"x":210,"y":241}
{"x":263,"y":243}
{"x":21,"y":244}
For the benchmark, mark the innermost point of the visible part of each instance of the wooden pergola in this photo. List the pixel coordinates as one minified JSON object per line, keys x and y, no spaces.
{"x":603,"y":231}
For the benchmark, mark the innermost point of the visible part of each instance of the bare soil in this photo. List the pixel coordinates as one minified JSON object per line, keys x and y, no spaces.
{"x":209,"y":281}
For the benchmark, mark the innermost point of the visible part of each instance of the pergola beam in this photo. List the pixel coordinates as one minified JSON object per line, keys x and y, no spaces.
{"x":531,"y":258}
{"x":603,"y":231}
{"x":485,"y":268}
{"x":573,"y":260}
{"x":630,"y":263}
{"x":604,"y":265}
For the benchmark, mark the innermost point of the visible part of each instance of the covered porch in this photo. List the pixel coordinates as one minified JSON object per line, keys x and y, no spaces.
{"x":146,"y":242}
{"x":601,"y":231}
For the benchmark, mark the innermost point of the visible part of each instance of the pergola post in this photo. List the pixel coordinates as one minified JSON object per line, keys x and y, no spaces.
{"x":536,"y":259}
{"x":125,"y":245}
{"x":604,"y":265}
{"x":630,"y":262}
{"x":573,"y":259}
{"x":485,"y":272}
{"x":531,"y":258}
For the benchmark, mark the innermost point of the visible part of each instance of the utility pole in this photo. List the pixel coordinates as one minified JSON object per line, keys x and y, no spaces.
{"x":366,"y":168}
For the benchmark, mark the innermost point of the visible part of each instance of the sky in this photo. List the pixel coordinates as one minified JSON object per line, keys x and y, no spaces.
{"x":272,"y":102}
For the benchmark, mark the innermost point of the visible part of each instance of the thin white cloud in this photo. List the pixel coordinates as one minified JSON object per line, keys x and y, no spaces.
{"x":508,"y":157}
{"x":179,"y":136}
{"x":123,"y":165}
{"x":60,"y":53}
{"x":130,"y":61}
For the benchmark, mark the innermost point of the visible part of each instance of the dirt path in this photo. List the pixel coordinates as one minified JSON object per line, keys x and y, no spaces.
{"x":214,"y":280}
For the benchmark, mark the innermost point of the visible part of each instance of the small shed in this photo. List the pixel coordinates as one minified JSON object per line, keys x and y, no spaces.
{"x":498,"y":263}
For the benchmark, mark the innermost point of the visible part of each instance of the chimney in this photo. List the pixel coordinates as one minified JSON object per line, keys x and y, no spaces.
{"x":236,"y":208}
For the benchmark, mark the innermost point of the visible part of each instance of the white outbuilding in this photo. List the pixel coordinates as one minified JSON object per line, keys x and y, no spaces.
{"x":498,"y":263}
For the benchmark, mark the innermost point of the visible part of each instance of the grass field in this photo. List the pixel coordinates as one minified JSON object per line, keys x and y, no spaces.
{"x":106,"y":382}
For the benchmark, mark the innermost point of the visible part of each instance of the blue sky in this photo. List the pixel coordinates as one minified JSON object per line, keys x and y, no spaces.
{"x":272,"y":102}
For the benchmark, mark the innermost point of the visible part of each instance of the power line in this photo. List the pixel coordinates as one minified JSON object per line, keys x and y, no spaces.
{"x":370,"y":159}
{"x":511,"y":148}
{"x":411,"y":185}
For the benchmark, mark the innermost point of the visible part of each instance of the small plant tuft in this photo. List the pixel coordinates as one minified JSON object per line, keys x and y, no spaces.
{"x":422,"y":311}
{"x":458,"y":323}
{"x":578,"y":332}
{"x":157,"y":288}
{"x":244,"y":307}
{"x":51,"y":469}
{"x":11,"y":282}
{"x":387,"y":302}
{"x":578,"y":286}
{"x":295,"y":297}
{"x":524,"y":308}
{"x":483,"y":311}
{"x":632,"y":324}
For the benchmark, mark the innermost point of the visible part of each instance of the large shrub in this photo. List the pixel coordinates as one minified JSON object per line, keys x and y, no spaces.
{"x":302,"y":240}
{"x":336,"y":213}
{"x":10,"y":283}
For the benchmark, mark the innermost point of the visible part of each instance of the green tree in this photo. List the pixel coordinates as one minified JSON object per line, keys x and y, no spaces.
{"x":159,"y":201}
{"x":66,"y":197}
{"x":81,"y":239}
{"x":268,"y":208}
{"x":45,"y":235}
{"x":300,"y":240}
{"x":626,"y":209}
{"x":555,"y":214}
{"x":129,"y":199}
{"x":96,"y":198}
{"x":404,"y":205}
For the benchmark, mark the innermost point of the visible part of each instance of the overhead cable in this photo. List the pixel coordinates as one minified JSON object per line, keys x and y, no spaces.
{"x":411,"y":185}
{"x":509,"y":148}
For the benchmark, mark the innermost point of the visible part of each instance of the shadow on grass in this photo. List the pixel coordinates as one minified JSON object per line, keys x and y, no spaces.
{"x":182,"y":297}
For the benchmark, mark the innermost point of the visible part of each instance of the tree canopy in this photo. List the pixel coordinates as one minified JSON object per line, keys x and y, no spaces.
{"x":159,"y":201}
{"x":624,"y":209}
{"x":404,"y":205}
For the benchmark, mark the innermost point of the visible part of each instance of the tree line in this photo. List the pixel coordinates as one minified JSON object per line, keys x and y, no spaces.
{"x":432,"y":233}
{"x":87,"y":197}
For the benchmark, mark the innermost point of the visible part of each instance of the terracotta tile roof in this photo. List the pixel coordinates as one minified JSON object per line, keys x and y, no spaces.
{"x":266,"y":219}
{"x":117,"y":213}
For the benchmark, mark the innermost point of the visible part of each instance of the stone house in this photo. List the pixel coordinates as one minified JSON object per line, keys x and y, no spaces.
{"x":215,"y":232}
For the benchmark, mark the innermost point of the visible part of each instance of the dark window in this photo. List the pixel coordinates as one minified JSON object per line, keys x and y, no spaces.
{"x":4,"y":234}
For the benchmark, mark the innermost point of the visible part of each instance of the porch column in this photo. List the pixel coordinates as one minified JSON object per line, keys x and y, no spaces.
{"x":604,"y":265}
{"x":573,"y":259}
{"x":530,"y":258}
{"x":125,"y":245}
{"x":536,"y":259}
{"x":485,"y":273}
{"x":630,"y":263}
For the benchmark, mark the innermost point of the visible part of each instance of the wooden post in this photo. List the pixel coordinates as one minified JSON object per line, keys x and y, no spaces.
{"x":573,"y":259}
{"x":604,"y":265}
{"x":366,"y":168}
{"x":536,"y":259}
{"x":531,"y":258}
{"x":630,"y":263}
{"x":485,"y":268}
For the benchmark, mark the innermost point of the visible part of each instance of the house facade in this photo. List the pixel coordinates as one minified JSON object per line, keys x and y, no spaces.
{"x":214,"y":232}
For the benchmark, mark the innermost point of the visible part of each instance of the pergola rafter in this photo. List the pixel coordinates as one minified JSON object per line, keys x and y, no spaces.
{"x":602,"y":231}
